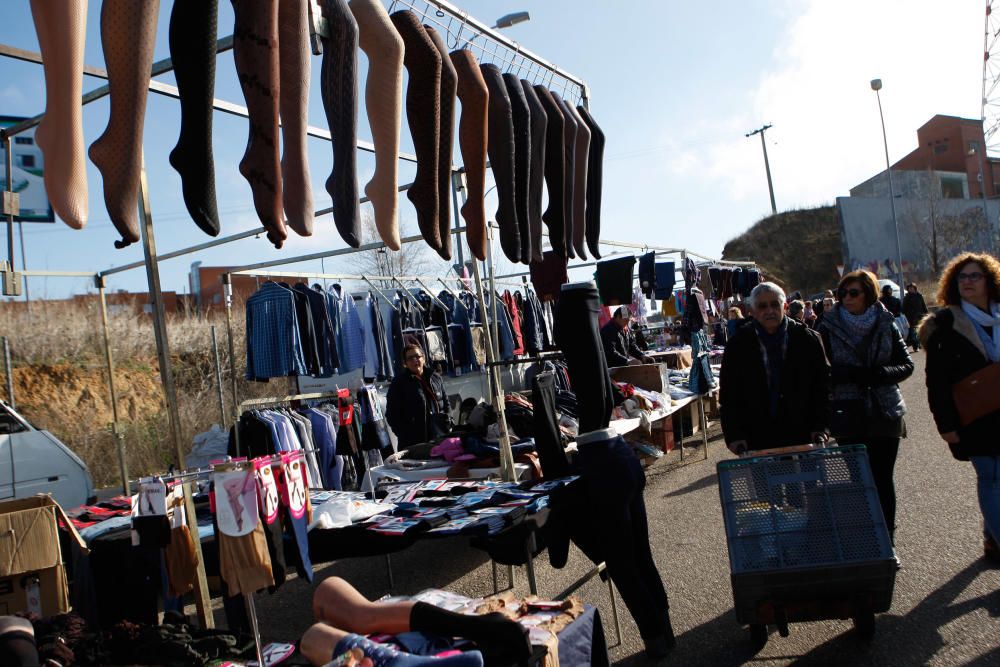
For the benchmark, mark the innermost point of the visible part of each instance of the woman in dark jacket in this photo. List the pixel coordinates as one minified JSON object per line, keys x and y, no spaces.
{"x":961,"y":339}
{"x":417,"y":406}
{"x":868,"y":360}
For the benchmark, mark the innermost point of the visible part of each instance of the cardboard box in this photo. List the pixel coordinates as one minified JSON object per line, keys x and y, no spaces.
{"x":32,"y":572}
{"x":652,"y":377}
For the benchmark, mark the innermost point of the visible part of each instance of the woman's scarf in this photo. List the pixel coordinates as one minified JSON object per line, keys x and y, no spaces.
{"x":980,"y":320}
{"x":858,"y":326}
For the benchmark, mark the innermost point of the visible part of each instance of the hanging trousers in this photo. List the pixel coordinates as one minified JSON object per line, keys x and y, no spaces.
{"x":548,"y":441}
{"x":614,"y":482}
{"x":579,"y":338}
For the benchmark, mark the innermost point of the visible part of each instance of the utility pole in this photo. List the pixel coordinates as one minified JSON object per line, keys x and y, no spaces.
{"x":767,"y":165}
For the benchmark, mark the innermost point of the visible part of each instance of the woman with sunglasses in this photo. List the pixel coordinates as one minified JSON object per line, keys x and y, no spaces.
{"x":868,"y":360}
{"x":416,"y":405}
{"x":963,"y":339}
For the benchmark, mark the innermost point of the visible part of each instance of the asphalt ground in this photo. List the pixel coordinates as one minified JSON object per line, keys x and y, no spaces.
{"x":945,"y":611}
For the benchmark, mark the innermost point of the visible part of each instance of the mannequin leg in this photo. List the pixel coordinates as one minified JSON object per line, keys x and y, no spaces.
{"x":423,"y":114}
{"x":384,"y":103}
{"x":61,"y":28}
{"x":193,"y":29}
{"x":339,"y":604}
{"x":569,"y":174}
{"x":255,"y":51}
{"x":580,"y":183}
{"x":501,"y":152}
{"x":446,"y":141}
{"x":474,"y":96}
{"x":294,"y":57}
{"x":555,"y":215}
{"x":521,"y":116}
{"x":128,"y":34}
{"x":539,"y":123}
{"x":595,"y":167}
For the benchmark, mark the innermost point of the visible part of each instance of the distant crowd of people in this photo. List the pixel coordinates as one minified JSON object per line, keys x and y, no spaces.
{"x":798,"y":372}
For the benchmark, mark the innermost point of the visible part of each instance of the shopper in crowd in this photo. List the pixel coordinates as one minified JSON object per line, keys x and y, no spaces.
{"x":868,"y":360}
{"x":809,"y":315}
{"x":774,"y":381}
{"x":620,"y":348}
{"x":914,"y":309}
{"x":891,"y":301}
{"x":962,"y":343}
{"x":734,"y":322}
{"x":797,"y":311}
{"x":417,"y":407}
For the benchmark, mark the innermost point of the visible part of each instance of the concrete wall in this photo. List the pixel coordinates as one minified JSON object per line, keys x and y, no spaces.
{"x":869,"y":235}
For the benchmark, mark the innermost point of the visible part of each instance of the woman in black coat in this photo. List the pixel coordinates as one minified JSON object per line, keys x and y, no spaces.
{"x":868,"y":360}
{"x":417,"y":406}
{"x":961,"y":339}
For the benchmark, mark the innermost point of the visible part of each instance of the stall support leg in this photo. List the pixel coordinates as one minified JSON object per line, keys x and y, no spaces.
{"x":102,"y":283}
{"x":529,"y":566}
{"x":252,"y":613}
{"x":704,"y":425}
{"x":680,"y":434}
{"x":9,"y":372}
{"x":227,"y":289}
{"x":218,"y":380}
{"x":203,"y":600}
{"x":614,"y":611}
{"x":496,"y":584}
{"x":388,"y":574}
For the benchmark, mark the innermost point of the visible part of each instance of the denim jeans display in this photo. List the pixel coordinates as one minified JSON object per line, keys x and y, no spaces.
{"x":578,"y":336}
{"x":614,"y":482}
{"x":988,"y":485}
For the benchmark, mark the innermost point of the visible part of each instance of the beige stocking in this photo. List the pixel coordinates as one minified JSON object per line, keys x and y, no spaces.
{"x":294,"y":50}
{"x":128,"y":34}
{"x":61,"y":26}
{"x":384,"y":102}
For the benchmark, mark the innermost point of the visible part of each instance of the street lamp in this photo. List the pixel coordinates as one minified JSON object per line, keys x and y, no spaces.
{"x":877,"y":86}
{"x":507,"y":20}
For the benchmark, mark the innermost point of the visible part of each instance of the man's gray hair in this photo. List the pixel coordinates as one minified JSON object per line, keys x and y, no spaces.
{"x":769,"y":288}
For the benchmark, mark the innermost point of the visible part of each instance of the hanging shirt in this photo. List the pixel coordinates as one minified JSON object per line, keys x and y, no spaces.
{"x":274,"y":348}
{"x":352,"y":339}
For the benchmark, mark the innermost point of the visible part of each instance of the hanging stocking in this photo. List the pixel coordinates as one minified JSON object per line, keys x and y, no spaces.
{"x":294,"y":56}
{"x":555,"y":214}
{"x":501,"y":151}
{"x":539,"y":124}
{"x":474,"y":96}
{"x":446,"y":140}
{"x":521,"y":115}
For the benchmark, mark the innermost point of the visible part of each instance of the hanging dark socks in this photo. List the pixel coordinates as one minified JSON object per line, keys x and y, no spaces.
{"x":555,"y":215}
{"x":501,"y":151}
{"x":580,"y":183}
{"x":472,"y":139}
{"x":339,"y":89}
{"x":498,"y":637}
{"x":569,"y":174}
{"x":521,"y":116}
{"x":539,"y":123}
{"x":446,"y":140}
{"x":193,"y":29}
{"x":422,"y":61}
{"x":383,"y":655}
{"x":595,"y":168}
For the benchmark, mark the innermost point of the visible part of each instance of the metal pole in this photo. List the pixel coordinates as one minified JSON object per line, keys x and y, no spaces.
{"x":892,"y":195}
{"x":119,"y":437}
{"x":218,"y":379}
{"x":10,"y":373}
{"x":458,"y":183}
{"x":24,"y":265}
{"x":8,"y":158}
{"x":227,"y":290}
{"x":767,"y":164}
{"x":203,"y":600}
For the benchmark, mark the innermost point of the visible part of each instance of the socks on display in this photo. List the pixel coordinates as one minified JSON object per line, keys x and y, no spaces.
{"x":384,"y":102}
{"x":473,"y":94}
{"x":539,"y":123}
{"x":423,"y":114}
{"x":555,"y":182}
{"x":383,"y":655}
{"x":446,"y":140}
{"x":61,"y":28}
{"x":499,"y":638}
{"x":580,"y":183}
{"x":193,"y":29}
{"x":255,"y":52}
{"x":521,"y":115}
{"x":501,"y":152}
{"x":128,"y":34}
{"x":294,"y":68}
{"x":595,"y":168}
{"x":339,"y":89}
{"x":569,"y":174}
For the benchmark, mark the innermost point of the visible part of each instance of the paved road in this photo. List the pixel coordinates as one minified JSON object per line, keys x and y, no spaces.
{"x":946,"y":609}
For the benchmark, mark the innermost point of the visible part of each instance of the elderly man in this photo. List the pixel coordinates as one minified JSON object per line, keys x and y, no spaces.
{"x":620,"y":348}
{"x":775,"y":379}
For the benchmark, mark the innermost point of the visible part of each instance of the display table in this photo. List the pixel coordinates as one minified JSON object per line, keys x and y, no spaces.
{"x":437,"y":472}
{"x":679,"y":358}
{"x":699,"y":423}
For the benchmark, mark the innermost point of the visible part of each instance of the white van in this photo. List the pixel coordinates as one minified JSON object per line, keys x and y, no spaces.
{"x":33,"y":461}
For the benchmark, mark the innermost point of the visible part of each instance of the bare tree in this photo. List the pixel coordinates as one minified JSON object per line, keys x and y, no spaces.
{"x":411,"y":259}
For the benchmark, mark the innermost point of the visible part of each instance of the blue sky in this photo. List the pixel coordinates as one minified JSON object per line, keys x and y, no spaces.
{"x":674,"y":85}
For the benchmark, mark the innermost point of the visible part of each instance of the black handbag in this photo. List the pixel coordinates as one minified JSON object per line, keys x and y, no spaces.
{"x":848,"y":416}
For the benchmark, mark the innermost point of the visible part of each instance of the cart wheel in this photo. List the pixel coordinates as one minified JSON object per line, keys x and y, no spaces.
{"x":758,"y":635}
{"x":864,"y":624}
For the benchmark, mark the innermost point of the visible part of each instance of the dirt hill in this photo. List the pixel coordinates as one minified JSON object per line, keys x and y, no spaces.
{"x":798,"y":249}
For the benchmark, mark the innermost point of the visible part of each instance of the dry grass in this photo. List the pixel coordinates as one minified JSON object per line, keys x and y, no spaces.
{"x":61,"y":381}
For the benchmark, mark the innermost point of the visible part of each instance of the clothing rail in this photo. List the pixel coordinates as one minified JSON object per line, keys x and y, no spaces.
{"x":526,"y":360}
{"x":273,"y":400}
